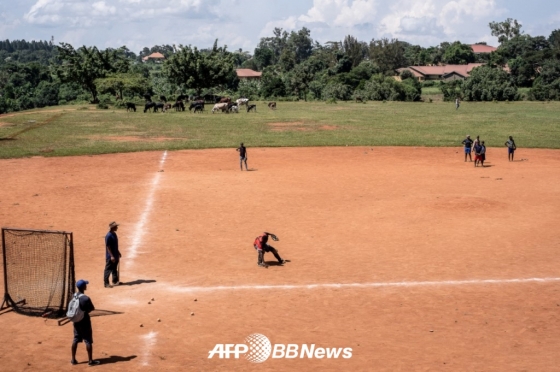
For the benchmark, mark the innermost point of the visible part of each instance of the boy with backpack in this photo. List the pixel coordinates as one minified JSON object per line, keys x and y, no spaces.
{"x":260,"y":244}
{"x":78,"y":312}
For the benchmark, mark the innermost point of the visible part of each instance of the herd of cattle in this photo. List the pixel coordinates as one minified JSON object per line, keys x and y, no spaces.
{"x":221,"y":104}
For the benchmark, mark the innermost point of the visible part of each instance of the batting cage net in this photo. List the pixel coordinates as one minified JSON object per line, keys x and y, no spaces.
{"x":38,"y":271}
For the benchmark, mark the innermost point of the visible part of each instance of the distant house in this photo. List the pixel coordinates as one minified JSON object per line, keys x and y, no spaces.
{"x":155,"y":57}
{"x":482,"y":48}
{"x":248,"y":74}
{"x":445,"y":73}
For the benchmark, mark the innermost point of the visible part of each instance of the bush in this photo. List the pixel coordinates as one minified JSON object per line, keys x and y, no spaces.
{"x":62,"y":102}
{"x":386,"y":88}
{"x":102,"y":106}
{"x":486,"y":84}
{"x":337,"y":91}
{"x":547,"y":85}
{"x":330,"y":101}
{"x":120,"y":104}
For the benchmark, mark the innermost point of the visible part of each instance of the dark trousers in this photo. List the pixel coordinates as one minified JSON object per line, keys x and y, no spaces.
{"x":267,"y":248}
{"x":111,"y":268}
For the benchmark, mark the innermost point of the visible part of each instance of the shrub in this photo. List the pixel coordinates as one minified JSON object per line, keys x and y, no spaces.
{"x":486,"y":84}
{"x":102,"y":106}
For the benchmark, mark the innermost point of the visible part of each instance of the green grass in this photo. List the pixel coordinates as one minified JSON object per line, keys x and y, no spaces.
{"x":68,"y":131}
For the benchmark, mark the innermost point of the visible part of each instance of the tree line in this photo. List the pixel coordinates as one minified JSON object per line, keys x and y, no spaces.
{"x":293,"y":66}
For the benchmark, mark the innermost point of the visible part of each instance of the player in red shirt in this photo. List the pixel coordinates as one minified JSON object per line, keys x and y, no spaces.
{"x":261,"y":246}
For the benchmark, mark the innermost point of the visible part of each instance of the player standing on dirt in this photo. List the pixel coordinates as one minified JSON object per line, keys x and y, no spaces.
{"x":467,"y":142}
{"x":82,"y":329}
{"x":112,"y":255}
{"x":262,"y":247}
{"x":242,"y":156}
{"x":510,"y":144}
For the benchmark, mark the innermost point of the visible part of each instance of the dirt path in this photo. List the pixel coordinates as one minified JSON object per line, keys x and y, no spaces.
{"x":410,"y":233}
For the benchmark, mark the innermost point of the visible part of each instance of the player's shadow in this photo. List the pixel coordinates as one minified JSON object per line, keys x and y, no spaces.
{"x":113,"y":359}
{"x":487,"y":166}
{"x":98,"y":312}
{"x":139,"y":281}
{"x":251,"y":170}
{"x":275,"y":263}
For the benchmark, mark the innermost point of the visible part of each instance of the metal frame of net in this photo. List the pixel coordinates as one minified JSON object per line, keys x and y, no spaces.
{"x":39,"y":273}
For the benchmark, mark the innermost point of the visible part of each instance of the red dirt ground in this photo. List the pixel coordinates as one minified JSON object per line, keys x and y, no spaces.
{"x":343,"y":215}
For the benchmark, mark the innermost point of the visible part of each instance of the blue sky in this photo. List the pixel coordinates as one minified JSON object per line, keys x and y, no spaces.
{"x":241,"y":23}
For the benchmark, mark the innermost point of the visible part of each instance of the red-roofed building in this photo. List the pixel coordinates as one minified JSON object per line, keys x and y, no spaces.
{"x":247,"y":73}
{"x":156,"y":57}
{"x":447,"y":72}
{"x":482,"y":48}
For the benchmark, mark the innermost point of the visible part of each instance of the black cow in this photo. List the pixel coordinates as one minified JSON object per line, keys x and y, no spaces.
{"x":199,"y":108}
{"x":130,"y":106}
{"x":149,"y":106}
{"x":196,"y":103}
{"x":252,"y":108}
{"x":179,"y":106}
{"x":159,"y":106}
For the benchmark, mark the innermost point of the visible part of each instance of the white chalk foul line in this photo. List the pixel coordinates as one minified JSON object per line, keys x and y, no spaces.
{"x":140,"y":229}
{"x":362,"y":285}
{"x":149,"y":341}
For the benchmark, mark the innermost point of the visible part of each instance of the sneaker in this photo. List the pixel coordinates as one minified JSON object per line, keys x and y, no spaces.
{"x":263,"y":265}
{"x":74,"y":362}
{"x":118,"y":283}
{"x":92,"y":363}
{"x":108,"y":286}
{"x":282,"y":262}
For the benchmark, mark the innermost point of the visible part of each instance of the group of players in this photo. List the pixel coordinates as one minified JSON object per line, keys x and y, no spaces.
{"x":477,"y":146}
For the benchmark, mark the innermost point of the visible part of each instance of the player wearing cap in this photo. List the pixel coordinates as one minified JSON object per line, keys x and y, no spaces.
{"x":261,"y":246}
{"x":82,"y":329}
{"x":112,"y":255}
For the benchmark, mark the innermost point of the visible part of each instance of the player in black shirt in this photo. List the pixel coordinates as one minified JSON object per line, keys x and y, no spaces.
{"x":242,"y":156}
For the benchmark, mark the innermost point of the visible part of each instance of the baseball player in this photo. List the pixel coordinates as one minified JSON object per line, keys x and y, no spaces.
{"x":262,"y":247}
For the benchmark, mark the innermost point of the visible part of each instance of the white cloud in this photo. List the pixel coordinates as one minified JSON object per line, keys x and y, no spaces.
{"x":340,"y":13}
{"x":80,"y":13}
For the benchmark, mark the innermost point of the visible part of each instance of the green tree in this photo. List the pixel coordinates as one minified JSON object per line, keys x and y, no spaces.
{"x":459,"y":54}
{"x":547,"y":84}
{"x":192,"y":68}
{"x":87,"y":64}
{"x":387,"y":54}
{"x":356,"y":50}
{"x":486,"y":83}
{"x":505,"y":30}
{"x":119,"y":83}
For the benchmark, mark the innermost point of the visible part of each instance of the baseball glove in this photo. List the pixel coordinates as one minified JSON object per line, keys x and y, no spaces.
{"x":274,"y":237}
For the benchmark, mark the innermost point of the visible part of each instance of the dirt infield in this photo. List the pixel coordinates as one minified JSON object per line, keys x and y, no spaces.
{"x":414,"y":237}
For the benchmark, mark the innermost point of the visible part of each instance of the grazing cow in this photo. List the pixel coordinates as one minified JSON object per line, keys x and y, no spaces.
{"x":130,"y":106}
{"x":225,"y":100}
{"x":199,"y":108}
{"x":220,"y":107}
{"x":234,"y":108}
{"x":272,"y":105}
{"x":159,"y":106}
{"x":179,"y":106}
{"x":148,"y":97}
{"x":196,"y":103}
{"x":166,"y":107}
{"x":359,"y":99}
{"x":149,"y":106}
{"x":242,"y":101}
{"x":252,"y":108}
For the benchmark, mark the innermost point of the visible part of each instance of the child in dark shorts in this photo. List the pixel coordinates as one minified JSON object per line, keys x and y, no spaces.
{"x":82,"y":329}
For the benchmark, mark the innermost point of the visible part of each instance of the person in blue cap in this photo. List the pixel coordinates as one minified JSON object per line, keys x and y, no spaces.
{"x":82,"y":329}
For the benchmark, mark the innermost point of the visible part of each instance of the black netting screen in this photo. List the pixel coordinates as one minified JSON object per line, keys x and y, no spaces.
{"x":38,"y":271}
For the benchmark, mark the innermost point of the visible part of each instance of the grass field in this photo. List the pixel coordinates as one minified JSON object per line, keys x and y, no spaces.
{"x":81,"y":130}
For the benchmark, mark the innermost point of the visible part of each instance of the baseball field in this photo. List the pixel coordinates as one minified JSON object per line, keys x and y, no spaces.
{"x":398,"y":249}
